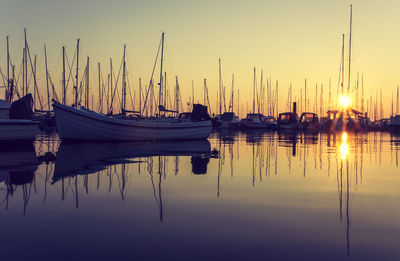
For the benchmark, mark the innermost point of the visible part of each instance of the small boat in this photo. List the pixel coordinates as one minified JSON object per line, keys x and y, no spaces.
{"x":288,"y":120}
{"x":4,"y":109}
{"x":308,"y":122}
{"x":83,"y":124}
{"x":227,"y":120}
{"x":394,"y":124}
{"x":258,"y":121}
{"x":18,"y":126}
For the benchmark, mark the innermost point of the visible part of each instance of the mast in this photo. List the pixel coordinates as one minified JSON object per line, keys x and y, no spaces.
{"x":392,"y":106}
{"x":305,"y":95}
{"x":8,"y":72}
{"x":100,"y":106}
{"x":261,"y":95}
{"x":192,"y":94}
{"x":330,"y":94}
{"x":277,"y":100}
{"x":110,"y":95}
{"x":124,"y":84}
{"x":321,"y":101}
{"x":87,"y":84}
{"x":232,"y":94}
{"x":77,"y":72}
{"x":397,"y":101}
{"x":238,"y":103}
{"x":362,"y":93}
{"x":34,"y":92}
{"x":23,"y":71}
{"x":47,"y":79}
{"x":177,"y":95}
{"x":316,"y":99}
{"x":63,"y":77}
{"x":161,"y":71}
{"x":26,"y":63}
{"x":254,"y":91}
{"x":357,"y":91}
{"x":165,"y":91}
{"x":204,"y":92}
{"x":290,"y":96}
{"x":342,"y":65}
{"x":140,"y":96}
{"x":351,"y":21}
{"x":220,"y":87}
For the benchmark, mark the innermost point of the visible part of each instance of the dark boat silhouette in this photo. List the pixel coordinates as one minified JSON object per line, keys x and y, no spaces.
{"x":18,"y":163}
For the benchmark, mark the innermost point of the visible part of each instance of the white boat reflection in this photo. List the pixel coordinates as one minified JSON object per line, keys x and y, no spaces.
{"x":88,"y":158}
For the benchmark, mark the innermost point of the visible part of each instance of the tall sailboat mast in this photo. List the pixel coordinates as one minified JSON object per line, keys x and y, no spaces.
{"x":87,"y":100}
{"x":100,"y":105}
{"x":254,"y":91}
{"x":63,"y":77}
{"x":47,"y":79}
{"x":8,"y":72}
{"x":77,"y":71}
{"x":161,"y":72}
{"x":124,"y":84}
{"x":342,"y":66}
{"x":220,"y":87}
{"x":26,"y":63}
{"x":351,"y":20}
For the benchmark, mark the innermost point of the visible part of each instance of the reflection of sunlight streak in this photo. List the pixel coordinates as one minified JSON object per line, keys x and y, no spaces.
{"x":344,"y":147}
{"x":344,"y":150}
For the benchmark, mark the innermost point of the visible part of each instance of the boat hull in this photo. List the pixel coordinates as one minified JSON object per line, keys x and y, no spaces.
{"x":18,"y":130}
{"x":79,"y":124}
{"x":4,"y":113}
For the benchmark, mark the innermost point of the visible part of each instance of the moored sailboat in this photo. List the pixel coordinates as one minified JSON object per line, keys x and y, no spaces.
{"x":18,"y":126}
{"x":79,"y":123}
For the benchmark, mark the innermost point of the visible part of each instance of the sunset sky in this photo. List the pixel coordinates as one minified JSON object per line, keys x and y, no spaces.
{"x":290,"y":40}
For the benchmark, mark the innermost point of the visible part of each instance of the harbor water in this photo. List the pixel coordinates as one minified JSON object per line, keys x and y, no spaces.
{"x":238,"y":195}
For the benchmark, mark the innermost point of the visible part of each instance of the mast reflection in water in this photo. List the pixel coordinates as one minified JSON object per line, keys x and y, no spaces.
{"x":241,"y":195}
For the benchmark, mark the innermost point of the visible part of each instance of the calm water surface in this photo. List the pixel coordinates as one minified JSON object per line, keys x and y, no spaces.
{"x":238,"y":196}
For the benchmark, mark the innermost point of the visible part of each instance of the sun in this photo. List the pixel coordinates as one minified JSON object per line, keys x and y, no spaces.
{"x":344,"y":101}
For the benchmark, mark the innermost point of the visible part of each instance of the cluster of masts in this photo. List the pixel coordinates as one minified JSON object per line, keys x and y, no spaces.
{"x":145,"y":101}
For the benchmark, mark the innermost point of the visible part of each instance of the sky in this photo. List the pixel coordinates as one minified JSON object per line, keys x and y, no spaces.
{"x":291,"y":40}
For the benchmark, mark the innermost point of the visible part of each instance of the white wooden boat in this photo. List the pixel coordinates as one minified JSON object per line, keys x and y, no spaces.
{"x":4,"y":109}
{"x":18,"y":130}
{"x":82,"y":124}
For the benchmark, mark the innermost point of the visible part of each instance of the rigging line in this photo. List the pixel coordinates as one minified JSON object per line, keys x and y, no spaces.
{"x":116,"y":83}
{"x":151,"y":78}
{"x":53,"y":89}
{"x":3,"y":78}
{"x":70,"y":69}
{"x":35,"y":83}
{"x":130,"y":93}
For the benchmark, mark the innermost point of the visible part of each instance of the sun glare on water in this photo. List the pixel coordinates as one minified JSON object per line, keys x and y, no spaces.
{"x":344,"y":148}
